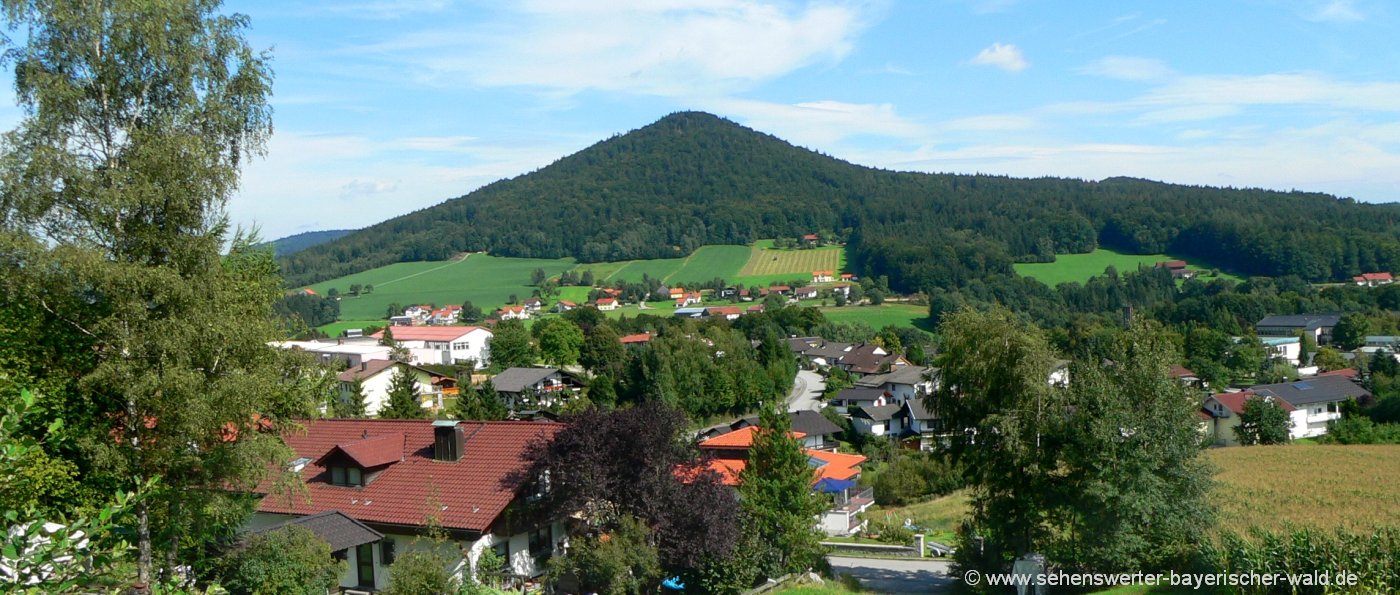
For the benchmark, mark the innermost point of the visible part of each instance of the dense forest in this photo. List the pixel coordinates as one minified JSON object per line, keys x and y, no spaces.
{"x":298,"y":242}
{"x":692,"y":179}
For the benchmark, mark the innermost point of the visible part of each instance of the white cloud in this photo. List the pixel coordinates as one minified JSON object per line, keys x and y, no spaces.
{"x":819,"y":123}
{"x":670,"y":48}
{"x":359,"y":188}
{"x":1006,"y":57}
{"x":1127,"y":68}
{"x":1336,"y":11}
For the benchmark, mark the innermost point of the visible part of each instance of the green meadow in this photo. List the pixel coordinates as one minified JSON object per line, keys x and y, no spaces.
{"x":883,"y":315}
{"x":1081,"y":267}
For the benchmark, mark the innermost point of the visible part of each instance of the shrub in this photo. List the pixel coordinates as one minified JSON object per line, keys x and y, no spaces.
{"x":287,"y":560}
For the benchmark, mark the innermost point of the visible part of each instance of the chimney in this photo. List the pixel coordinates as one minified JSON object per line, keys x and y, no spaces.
{"x":449,"y":442}
{"x":364,"y":365}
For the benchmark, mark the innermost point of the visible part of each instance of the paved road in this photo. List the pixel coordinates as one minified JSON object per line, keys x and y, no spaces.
{"x":807,"y":390}
{"x":897,"y":576}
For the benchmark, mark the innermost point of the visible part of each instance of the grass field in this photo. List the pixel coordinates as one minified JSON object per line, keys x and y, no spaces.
{"x":705,"y":264}
{"x":940,"y":516}
{"x":335,"y":328}
{"x":1322,"y":486}
{"x":882,"y":315}
{"x":1080,"y":267}
{"x":488,"y":281}
{"x":766,"y":265}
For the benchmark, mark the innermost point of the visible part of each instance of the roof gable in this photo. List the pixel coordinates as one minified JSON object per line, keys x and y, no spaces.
{"x":371,"y":451}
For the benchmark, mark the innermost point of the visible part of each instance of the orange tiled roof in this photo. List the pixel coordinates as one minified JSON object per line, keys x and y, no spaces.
{"x":740,"y":438}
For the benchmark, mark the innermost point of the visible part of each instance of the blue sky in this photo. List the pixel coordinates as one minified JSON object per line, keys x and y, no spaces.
{"x":388,"y":106}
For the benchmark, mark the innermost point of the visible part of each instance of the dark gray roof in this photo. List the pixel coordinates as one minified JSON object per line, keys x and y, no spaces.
{"x":828,"y":350}
{"x":910,"y":375}
{"x":916,"y":407}
{"x":1302,"y":321}
{"x":806,"y":421}
{"x":334,"y":528}
{"x":881,"y":413}
{"x":1318,"y":389}
{"x":860,"y":394}
{"x":802,"y":344}
{"x":515,"y":380}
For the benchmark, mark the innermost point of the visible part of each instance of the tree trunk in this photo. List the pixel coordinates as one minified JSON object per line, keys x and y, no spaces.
{"x":143,"y":548}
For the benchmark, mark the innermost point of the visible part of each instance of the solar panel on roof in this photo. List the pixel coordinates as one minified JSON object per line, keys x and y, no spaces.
{"x":1302,"y":386}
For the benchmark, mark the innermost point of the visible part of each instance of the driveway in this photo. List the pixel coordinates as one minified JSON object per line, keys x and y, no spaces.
{"x":897,"y":576}
{"x":807,"y":390}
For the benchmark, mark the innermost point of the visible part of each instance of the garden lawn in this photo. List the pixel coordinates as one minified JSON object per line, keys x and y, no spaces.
{"x":334,"y":329}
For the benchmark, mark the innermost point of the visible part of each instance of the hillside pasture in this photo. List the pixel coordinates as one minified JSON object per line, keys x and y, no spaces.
{"x":488,"y":281}
{"x":886,"y":314}
{"x":766,"y":263}
{"x":1079,"y":268}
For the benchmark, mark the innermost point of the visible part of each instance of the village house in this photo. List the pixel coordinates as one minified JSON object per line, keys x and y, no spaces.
{"x":1318,"y":399}
{"x":418,"y":313}
{"x":532,"y":304}
{"x":848,"y":277}
{"x":564,"y":306}
{"x":445,"y":315}
{"x":1290,"y":325}
{"x":1373,"y":279}
{"x":676,"y":293}
{"x":350,"y":353}
{"x":373,"y":488}
{"x":526,"y":388}
{"x":635,"y":340}
{"x":805,"y":293}
{"x":818,"y":431}
{"x":443,"y":344}
{"x":512,"y":313}
{"x":1225,"y":410}
{"x":836,"y":474}
{"x":841,"y":289}
{"x":606,"y":304}
{"x":1285,"y":348}
{"x":902,"y":382}
{"x":811,"y":239}
{"x":915,"y":424}
{"x":725,"y":312}
{"x":1177,"y":268}
{"x":821,"y":276}
{"x":864,"y":359}
{"x":874,"y":420}
{"x":849,"y":399}
{"x":375,"y":376}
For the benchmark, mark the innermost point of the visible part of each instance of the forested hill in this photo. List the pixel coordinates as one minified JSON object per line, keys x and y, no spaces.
{"x":693,"y":178}
{"x":298,"y":242}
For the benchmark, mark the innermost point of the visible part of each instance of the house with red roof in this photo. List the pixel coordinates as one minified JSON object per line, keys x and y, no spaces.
{"x":562,"y":306}
{"x":821,"y":276}
{"x":443,"y":344}
{"x":1177,"y":268}
{"x":446,"y":315}
{"x":1225,"y":410}
{"x":1373,"y":279}
{"x":834,"y":473}
{"x":637,"y":339}
{"x":378,"y":485}
{"x":375,"y":376}
{"x":512,"y":313}
{"x":605,"y":304}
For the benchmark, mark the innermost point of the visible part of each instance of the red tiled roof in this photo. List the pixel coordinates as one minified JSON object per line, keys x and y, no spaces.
{"x":1373,"y":277}
{"x":606,"y":301}
{"x":428,"y":333}
{"x":1180,"y":372}
{"x":1204,"y":415}
{"x":810,"y":236}
{"x":1345,"y":372}
{"x":724,"y":311}
{"x":568,"y":303}
{"x":1172,"y":264}
{"x":838,"y":465}
{"x":740,"y":438}
{"x":512,"y":309}
{"x":847,"y":276}
{"x":637,"y":338}
{"x":467,"y":494}
{"x":371,"y":452}
{"x":1235,"y":401}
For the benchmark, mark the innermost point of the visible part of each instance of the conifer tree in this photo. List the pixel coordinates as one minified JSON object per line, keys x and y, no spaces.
{"x":776,"y":492}
{"x":352,"y":404}
{"x":403,"y":402}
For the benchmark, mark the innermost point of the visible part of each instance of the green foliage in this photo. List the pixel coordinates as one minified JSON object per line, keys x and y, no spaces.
{"x":1328,"y":359}
{"x":299,"y":310}
{"x":1263,"y":422}
{"x":1350,"y":332}
{"x":912,"y":476}
{"x":889,"y":528}
{"x":1373,"y":556}
{"x":353,"y":404}
{"x":622,"y":562}
{"x":478,"y":404}
{"x":559,"y":339}
{"x":510,"y":346}
{"x":776,"y":493}
{"x":421,"y":572}
{"x":403,"y":401}
{"x":602,"y":351}
{"x":40,"y":546}
{"x":1358,"y":429}
{"x":288,"y":560}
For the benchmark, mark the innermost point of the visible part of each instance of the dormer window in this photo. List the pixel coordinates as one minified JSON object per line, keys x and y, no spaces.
{"x":347,"y":476}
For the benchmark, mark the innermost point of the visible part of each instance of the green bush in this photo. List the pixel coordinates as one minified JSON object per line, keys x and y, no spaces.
{"x":289,"y":560}
{"x":1358,"y":429}
{"x":912,"y":476}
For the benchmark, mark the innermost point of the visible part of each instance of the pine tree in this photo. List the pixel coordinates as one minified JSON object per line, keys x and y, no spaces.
{"x":468,"y":404}
{"x":403,"y":402}
{"x":776,"y":491}
{"x":353,"y":404}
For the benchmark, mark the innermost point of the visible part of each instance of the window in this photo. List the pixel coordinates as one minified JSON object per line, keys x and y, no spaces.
{"x":541,"y":541}
{"x":386,"y":552}
{"x":502,"y":549}
{"x":346,"y":476}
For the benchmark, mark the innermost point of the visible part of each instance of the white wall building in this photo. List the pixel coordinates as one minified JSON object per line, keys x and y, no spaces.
{"x":443,"y":344}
